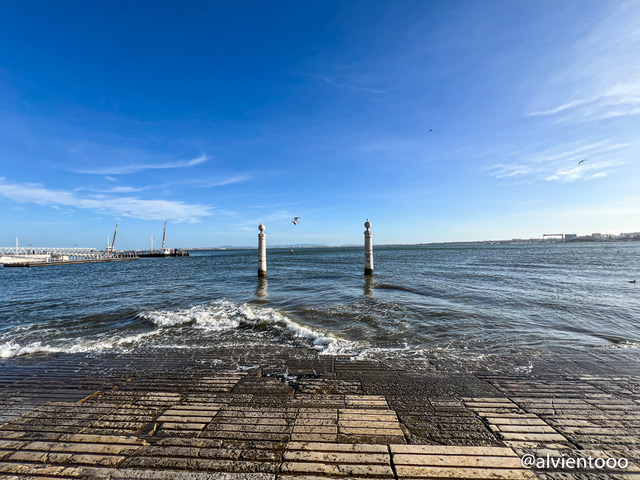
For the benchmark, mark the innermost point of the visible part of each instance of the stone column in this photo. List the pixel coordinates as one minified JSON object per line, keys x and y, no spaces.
{"x":262,"y":252}
{"x":262,"y":290}
{"x":368,"y":249}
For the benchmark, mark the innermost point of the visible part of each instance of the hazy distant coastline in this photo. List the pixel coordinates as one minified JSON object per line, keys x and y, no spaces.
{"x":596,"y":237}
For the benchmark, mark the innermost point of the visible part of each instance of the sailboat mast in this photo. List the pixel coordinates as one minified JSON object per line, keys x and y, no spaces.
{"x":113,"y":242}
{"x":164,"y":233}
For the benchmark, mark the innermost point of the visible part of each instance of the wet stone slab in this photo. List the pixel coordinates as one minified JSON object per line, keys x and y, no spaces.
{"x":292,"y":414}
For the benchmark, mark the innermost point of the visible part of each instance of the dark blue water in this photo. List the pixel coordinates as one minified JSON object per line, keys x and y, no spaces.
{"x":422,"y":301}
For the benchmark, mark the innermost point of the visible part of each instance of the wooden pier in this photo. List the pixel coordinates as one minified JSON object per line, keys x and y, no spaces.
{"x":289,"y":414}
{"x":72,"y":262}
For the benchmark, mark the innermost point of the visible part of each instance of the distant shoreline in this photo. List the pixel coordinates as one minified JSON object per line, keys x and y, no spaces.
{"x":530,"y":241}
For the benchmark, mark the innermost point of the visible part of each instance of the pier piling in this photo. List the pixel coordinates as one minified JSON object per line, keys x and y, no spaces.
{"x":368,"y":249}
{"x":262,"y":251}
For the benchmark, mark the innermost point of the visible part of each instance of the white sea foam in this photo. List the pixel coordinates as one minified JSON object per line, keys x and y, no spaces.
{"x":123,"y":344}
{"x":625,"y":344}
{"x":322,"y":341}
{"x":223,"y":322}
{"x":219,"y":316}
{"x":224,"y":316}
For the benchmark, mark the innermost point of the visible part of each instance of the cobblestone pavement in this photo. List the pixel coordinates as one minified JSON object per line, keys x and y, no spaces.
{"x":291,"y":414}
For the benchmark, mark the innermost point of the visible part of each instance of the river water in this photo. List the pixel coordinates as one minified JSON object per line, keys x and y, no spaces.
{"x":423,"y":302}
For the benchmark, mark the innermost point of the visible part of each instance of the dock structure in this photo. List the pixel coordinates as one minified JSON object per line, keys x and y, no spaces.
{"x":291,"y":414}
{"x":43,"y":256}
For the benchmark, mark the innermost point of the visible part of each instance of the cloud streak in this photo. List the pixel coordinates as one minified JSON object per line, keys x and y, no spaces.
{"x":599,"y":76}
{"x":125,"y":206}
{"x":228,"y":181}
{"x":348,"y":86}
{"x":561,"y":164}
{"x":126,"y":169}
{"x":621,"y":100}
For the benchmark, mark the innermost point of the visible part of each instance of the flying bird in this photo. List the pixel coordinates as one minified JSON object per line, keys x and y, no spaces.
{"x":431,"y":129}
{"x":296,"y":221}
{"x":584,"y":160}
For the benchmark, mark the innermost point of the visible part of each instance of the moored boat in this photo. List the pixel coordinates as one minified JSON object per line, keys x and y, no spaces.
{"x":163,"y":251}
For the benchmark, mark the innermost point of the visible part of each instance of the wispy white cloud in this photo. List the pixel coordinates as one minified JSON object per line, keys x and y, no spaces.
{"x":599,"y":76}
{"x":579,"y":172}
{"x":133,"y":168}
{"x":116,"y":189}
{"x":621,"y":100}
{"x":349,"y":85}
{"x":228,"y":181}
{"x":127,"y":206}
{"x":562,"y":163}
{"x":122,"y":190}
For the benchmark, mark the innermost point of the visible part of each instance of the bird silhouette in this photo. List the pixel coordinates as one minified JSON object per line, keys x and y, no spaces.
{"x":296,"y":220}
{"x":584,"y":160}
{"x":632,"y":281}
{"x":431,"y":129}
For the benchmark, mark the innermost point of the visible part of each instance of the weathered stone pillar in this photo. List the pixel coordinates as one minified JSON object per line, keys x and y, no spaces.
{"x":262,"y":290}
{"x":368,"y":286}
{"x":262,"y":252}
{"x":368,"y":249}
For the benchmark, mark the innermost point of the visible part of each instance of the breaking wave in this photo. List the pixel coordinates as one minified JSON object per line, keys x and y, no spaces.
{"x":123,"y":344}
{"x":220,"y":323}
{"x":249,"y":321}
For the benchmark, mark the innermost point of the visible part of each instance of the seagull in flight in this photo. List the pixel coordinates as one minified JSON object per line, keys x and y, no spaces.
{"x":296,"y":220}
{"x":583,"y":160}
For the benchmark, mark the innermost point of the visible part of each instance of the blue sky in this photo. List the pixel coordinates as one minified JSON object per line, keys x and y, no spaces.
{"x":439,"y":121}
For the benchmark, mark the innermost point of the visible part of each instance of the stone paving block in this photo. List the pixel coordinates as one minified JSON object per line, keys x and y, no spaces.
{"x":463,"y":473}
{"x":366,"y":413}
{"x":336,"y":457}
{"x":315,"y":429}
{"x":196,"y":464}
{"x":457,"y":461}
{"x":11,"y":444}
{"x":109,"y":439}
{"x":148,"y":474}
{"x":314,"y":437}
{"x":329,"y":386}
{"x":322,"y":477}
{"x":248,"y":453}
{"x":65,"y":458}
{"x":337,"y":447}
{"x":176,"y":428}
{"x":365,"y":401}
{"x":344,"y":470}
{"x":317,"y":401}
{"x":533,"y":437}
{"x":515,"y":420}
{"x":532,"y":445}
{"x":23,"y":470}
{"x":369,"y":430}
{"x":97,"y":448}
{"x":315,"y":422}
{"x":451,"y":450}
{"x":5,"y":453}
{"x":371,"y":426}
{"x":376,"y":439}
{"x":524,"y":429}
